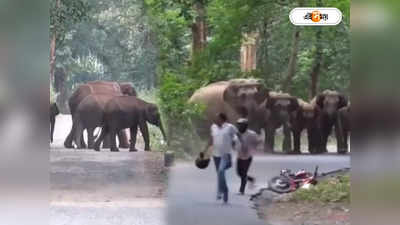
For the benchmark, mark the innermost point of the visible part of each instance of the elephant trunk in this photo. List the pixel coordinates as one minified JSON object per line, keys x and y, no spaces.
{"x":163,"y":133}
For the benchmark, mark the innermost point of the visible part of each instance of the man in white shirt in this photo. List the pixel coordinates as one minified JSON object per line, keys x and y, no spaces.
{"x":222,"y":135}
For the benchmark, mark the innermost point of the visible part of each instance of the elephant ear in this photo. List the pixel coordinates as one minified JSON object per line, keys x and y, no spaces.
{"x":151,"y":112}
{"x":261,"y":94}
{"x":270,"y":103}
{"x":127,"y":89}
{"x":342,"y":101}
{"x":230,"y":95}
{"x":320,"y":101}
{"x":294,"y":104}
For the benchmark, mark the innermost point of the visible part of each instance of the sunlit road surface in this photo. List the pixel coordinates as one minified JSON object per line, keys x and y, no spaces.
{"x":104,"y":188}
{"x":192,"y":192}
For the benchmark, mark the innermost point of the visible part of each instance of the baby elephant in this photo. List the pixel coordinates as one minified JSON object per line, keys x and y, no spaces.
{"x":129,"y":112}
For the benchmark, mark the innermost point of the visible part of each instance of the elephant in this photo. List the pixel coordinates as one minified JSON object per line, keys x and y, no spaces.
{"x":330,"y":102}
{"x":235,"y":98}
{"x":54,"y":111}
{"x":129,"y":112}
{"x":306,"y":118}
{"x":279,"y":107}
{"x":344,"y":127}
{"x":89,"y":115}
{"x":97,"y":87}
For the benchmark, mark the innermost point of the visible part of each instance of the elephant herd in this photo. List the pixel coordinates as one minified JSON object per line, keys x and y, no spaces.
{"x":116,"y":107}
{"x":267,"y":110}
{"x":112,"y":106}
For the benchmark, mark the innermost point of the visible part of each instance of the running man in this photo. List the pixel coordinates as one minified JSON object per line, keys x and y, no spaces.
{"x":222,"y":136}
{"x":248,"y":144}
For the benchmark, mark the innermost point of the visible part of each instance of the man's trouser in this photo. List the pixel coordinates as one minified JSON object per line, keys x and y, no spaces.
{"x":242,"y":169}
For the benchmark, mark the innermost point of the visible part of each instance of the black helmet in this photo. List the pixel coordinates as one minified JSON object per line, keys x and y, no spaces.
{"x":202,"y":162}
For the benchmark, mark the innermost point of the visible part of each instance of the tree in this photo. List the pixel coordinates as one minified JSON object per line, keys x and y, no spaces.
{"x":293,"y":56}
{"x":63,"y":14}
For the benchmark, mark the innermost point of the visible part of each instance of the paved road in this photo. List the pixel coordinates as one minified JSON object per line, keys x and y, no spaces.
{"x":92,"y":188}
{"x":191,"y":192}
{"x":104,"y":188}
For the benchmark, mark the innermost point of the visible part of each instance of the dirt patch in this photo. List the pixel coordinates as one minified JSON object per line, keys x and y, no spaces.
{"x":278,"y":209}
{"x":89,"y":176}
{"x":292,"y":213}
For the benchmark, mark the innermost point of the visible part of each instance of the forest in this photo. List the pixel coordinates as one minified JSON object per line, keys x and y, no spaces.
{"x":170,"y":48}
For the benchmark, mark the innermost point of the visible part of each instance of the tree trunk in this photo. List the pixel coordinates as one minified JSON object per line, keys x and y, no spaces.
{"x":52,"y":57}
{"x":317,"y":60}
{"x":53,"y":51}
{"x":248,"y":52}
{"x":60,"y":86}
{"x":199,"y":29}
{"x":292,"y":61}
{"x":262,"y":50}
{"x":317,"y":65}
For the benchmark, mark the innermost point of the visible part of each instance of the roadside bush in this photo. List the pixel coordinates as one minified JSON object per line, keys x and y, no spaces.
{"x":53,"y":95}
{"x":177,"y":112}
{"x":335,"y":189}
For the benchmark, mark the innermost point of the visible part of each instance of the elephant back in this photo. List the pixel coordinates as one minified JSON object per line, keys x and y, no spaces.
{"x":104,"y":87}
{"x":95,"y":102}
{"x":93,"y":87}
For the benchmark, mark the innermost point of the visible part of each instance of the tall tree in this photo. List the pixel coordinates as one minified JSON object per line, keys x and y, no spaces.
{"x":292,"y":61}
{"x":199,"y":27}
{"x":293,"y":56}
{"x":63,"y":14}
{"x":315,"y":71}
{"x":316,"y":68}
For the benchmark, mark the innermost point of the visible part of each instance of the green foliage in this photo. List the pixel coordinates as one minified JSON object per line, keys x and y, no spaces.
{"x":332,"y":190}
{"x":181,"y":74}
{"x":112,"y":42}
{"x":52,"y":95}
{"x":148,"y":42}
{"x":174,"y":99}
{"x":64,"y":14}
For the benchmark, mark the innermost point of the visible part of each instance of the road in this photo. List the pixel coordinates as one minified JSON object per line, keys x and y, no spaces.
{"x":104,"y":188}
{"x":191,"y":192}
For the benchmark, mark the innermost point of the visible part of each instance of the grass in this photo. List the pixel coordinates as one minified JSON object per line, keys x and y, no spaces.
{"x":335,"y":189}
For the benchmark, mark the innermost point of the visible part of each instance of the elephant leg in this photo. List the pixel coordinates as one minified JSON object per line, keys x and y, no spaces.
{"x":90,"y":133}
{"x":123,"y":139}
{"x":287,"y":140}
{"x":296,"y":141}
{"x":68,"y":140}
{"x":133,"y":131}
{"x":103,"y":134}
{"x":346,"y":140}
{"x":52,"y":123}
{"x":107,"y":141}
{"x":78,"y":135}
{"x":145,"y":133}
{"x":113,"y":141}
{"x":269,"y":140}
{"x":83,"y":144}
{"x":343,"y":148}
{"x":313,"y":140}
{"x":324,"y":141}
